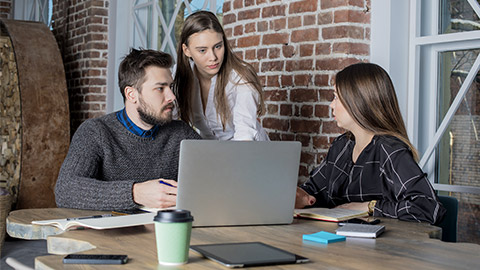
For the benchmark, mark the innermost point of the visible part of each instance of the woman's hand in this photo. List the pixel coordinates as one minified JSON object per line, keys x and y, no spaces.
{"x":303,"y":199}
{"x":362,"y":206}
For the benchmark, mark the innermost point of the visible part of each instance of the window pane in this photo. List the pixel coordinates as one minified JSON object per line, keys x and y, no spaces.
{"x":457,"y":16}
{"x":458,"y":153}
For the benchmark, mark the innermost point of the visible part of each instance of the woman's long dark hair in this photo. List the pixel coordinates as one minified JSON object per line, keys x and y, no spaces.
{"x":198,"y":22}
{"x":367,"y":93}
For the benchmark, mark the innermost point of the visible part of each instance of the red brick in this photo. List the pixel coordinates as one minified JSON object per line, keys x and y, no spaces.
{"x":304,"y":139}
{"x":286,"y":80}
{"x":262,"y":53}
{"x":303,"y":171}
{"x":274,"y":123}
{"x":305,"y":126}
{"x":274,"y":136}
{"x":238,"y":30}
{"x":309,"y":20}
{"x":272,"y":66}
{"x":263,"y":80}
{"x":306,"y":111}
{"x":303,"y":6}
{"x":325,"y":18}
{"x":272,"y":81}
{"x":249,"y":41}
{"x":306,"y":50}
{"x":334,"y":63}
{"x":250,"y":14}
{"x":320,"y":142}
{"x":288,"y":137}
{"x":273,"y":11}
{"x":278,"y":24}
{"x":353,"y":16}
{"x":249,"y":3}
{"x":250,"y":54}
{"x":302,"y":79}
{"x":351,"y":48}
{"x":262,"y":26}
{"x":305,"y":35}
{"x":322,"y":111}
{"x":296,"y":65}
{"x":237,"y":4}
{"x":249,"y":27}
{"x":272,"y":109}
{"x":326,"y":95}
{"x":286,"y":110}
{"x":288,"y":51}
{"x":95,"y":98}
{"x":303,"y":95}
{"x":330,"y":127}
{"x":273,"y":53}
{"x":259,"y":2}
{"x":275,"y":95}
{"x":343,"y":31}
{"x":321,"y":80}
{"x":323,"y":48}
{"x":307,"y":158}
{"x":278,"y":38}
{"x":294,"y":22}
{"x":229,"y":18}
{"x":325,"y":4}
{"x":227,"y":6}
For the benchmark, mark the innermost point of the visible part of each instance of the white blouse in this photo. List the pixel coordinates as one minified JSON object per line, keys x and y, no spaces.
{"x":242,"y":100}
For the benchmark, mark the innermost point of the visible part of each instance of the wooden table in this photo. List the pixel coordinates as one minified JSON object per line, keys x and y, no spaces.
{"x":403,"y":245}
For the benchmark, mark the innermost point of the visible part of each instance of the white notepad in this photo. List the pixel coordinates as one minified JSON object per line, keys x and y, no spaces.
{"x":360,"y":230}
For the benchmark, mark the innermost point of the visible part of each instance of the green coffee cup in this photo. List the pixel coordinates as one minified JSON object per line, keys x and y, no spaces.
{"x":172,"y":232}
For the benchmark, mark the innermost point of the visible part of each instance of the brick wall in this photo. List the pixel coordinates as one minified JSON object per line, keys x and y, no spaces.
{"x":297,"y":47}
{"x":81,"y":30}
{"x":5,"y":9}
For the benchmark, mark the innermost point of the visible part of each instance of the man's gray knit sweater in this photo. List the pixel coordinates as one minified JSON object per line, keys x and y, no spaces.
{"x":105,"y":160}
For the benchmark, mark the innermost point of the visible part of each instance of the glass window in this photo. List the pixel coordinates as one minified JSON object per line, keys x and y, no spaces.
{"x":444,"y":101}
{"x":458,"y":152}
{"x":457,"y":16}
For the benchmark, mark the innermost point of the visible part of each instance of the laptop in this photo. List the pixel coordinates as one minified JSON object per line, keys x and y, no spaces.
{"x":231,"y":183}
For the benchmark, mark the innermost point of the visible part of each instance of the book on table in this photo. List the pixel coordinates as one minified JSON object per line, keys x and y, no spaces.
{"x":99,"y":222}
{"x":360,"y":230}
{"x":329,"y":214}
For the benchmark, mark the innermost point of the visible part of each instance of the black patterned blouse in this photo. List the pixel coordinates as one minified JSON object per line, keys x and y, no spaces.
{"x":385,"y":171}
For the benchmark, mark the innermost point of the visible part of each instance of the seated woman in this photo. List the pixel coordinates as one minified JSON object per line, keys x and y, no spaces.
{"x":373,"y":165}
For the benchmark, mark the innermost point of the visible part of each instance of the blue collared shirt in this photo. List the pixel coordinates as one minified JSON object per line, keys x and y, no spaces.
{"x":130,"y":126}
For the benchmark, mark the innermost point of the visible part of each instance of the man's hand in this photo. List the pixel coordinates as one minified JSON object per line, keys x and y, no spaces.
{"x":154,"y":194}
{"x":362,"y":206}
{"x":303,"y":199}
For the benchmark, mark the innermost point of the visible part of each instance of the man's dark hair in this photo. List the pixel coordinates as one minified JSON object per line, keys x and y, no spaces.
{"x":132,"y":68}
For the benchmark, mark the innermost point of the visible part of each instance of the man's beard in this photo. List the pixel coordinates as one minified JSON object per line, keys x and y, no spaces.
{"x":150,"y":118}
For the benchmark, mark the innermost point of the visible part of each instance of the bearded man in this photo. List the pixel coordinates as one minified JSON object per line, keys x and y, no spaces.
{"x":129,"y":158}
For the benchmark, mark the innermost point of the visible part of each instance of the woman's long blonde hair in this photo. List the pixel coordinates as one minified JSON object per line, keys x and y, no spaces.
{"x":367,"y":93}
{"x":198,"y":22}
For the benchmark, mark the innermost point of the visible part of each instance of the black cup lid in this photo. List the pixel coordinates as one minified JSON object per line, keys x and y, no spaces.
{"x":173,"y":215}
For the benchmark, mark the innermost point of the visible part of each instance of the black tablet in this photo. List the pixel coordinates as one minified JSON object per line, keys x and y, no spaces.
{"x":247,"y":254}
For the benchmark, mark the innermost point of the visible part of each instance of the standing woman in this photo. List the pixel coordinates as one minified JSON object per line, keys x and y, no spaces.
{"x":371,"y":167}
{"x":217,"y":92}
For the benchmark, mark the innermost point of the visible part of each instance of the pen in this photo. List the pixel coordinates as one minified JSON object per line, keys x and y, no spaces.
{"x":96,"y":216}
{"x":165,"y":183}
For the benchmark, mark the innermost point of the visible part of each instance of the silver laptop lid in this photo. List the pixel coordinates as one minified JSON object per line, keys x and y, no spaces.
{"x":238,"y":182}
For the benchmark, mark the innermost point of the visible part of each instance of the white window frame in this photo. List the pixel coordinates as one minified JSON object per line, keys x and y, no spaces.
{"x":385,"y":38}
{"x":124,"y":24}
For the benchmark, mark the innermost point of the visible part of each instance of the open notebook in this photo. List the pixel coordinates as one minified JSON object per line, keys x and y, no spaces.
{"x":99,"y":222}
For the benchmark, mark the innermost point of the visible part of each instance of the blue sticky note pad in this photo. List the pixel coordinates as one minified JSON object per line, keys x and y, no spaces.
{"x":324,"y":237}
